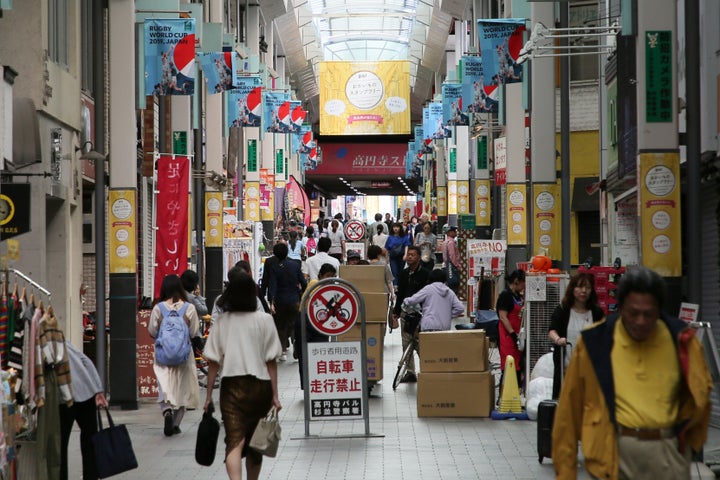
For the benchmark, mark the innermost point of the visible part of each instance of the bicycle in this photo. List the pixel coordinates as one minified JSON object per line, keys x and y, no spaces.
{"x":413,"y":346}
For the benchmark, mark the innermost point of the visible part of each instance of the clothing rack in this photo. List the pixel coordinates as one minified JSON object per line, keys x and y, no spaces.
{"x":28,"y":280}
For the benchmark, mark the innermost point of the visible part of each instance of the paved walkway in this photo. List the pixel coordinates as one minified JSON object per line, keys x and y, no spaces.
{"x":411,"y":448}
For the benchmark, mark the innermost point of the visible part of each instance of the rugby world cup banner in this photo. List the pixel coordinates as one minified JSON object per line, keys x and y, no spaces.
{"x":276,"y":112}
{"x":361,"y":98}
{"x":433,"y":126}
{"x":500,"y":44}
{"x":244,"y":102}
{"x":477,"y":97}
{"x":452,"y":101}
{"x":219,"y":69}
{"x":169,"y":56}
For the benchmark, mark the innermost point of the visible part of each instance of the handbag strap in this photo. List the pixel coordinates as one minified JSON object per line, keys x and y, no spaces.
{"x":99,"y":418}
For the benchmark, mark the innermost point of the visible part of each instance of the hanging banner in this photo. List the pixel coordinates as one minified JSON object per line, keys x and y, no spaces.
{"x":275,"y":105}
{"x":516,"y":214}
{"x":14,"y":209}
{"x":252,"y":201}
{"x":122,"y":238}
{"x":442,"y":207}
{"x":659,"y":76}
{"x":433,"y":127}
{"x":660,"y":219}
{"x":452,"y":197}
{"x":500,"y":160}
{"x":213,"y":219}
{"x":547,"y":213}
{"x":476,"y":97}
{"x":244,"y":102}
{"x":169,"y":56}
{"x":361,"y":98}
{"x":452,"y":101}
{"x":267,"y":195}
{"x":500,"y":42}
{"x":297,"y":200}
{"x":297,"y":116}
{"x":219,"y":69}
{"x":303,"y":140}
{"x":463,"y":197}
{"x":172,"y":217}
{"x":482,"y":203}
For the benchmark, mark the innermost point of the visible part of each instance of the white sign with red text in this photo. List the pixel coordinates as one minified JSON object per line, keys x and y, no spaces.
{"x":335,"y":380}
{"x":486,"y":253}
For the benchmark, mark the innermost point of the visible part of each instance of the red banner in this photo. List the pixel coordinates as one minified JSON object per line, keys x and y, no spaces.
{"x":171,"y":238}
{"x":362,"y":159}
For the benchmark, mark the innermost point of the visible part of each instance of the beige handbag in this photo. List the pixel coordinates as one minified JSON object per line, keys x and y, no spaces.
{"x":266,"y":438}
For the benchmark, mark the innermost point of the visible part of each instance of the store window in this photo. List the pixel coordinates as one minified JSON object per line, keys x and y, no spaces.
{"x":58,"y":31}
{"x":584,"y":14}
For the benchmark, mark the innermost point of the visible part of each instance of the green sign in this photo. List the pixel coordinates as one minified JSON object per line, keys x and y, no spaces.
{"x":482,"y":153}
{"x":467,"y":222}
{"x":453,"y":161}
{"x":279,"y":161}
{"x":659,"y":96}
{"x":252,"y":165}
{"x":180,"y":142}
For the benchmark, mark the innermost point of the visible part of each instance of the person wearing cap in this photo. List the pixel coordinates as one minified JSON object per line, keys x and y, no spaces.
{"x":636,"y":392}
{"x":451,"y":258}
{"x":353,"y":257}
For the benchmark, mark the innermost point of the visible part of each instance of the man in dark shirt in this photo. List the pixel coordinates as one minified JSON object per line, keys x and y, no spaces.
{"x":410,"y":281}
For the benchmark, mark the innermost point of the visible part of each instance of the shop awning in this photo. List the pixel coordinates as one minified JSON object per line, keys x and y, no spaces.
{"x":582,"y":200}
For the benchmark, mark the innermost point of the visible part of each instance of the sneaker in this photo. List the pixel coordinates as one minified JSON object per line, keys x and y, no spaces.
{"x":168,"y":429}
{"x":283,"y":357}
{"x":409,"y":377}
{"x":176,"y":431}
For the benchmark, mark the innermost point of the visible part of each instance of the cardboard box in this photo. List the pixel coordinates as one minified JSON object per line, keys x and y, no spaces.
{"x":366,"y":278}
{"x":374,"y":344}
{"x":376,"y":307}
{"x":466,"y":394}
{"x":453,"y":351}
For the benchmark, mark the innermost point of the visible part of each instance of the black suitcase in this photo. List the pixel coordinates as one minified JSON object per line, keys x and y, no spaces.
{"x":546,"y":419}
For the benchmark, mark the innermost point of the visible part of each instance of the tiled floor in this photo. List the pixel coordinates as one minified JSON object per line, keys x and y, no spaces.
{"x":410,"y":448}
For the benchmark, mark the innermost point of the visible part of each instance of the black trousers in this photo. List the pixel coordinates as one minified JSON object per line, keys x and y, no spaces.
{"x":84,"y":413}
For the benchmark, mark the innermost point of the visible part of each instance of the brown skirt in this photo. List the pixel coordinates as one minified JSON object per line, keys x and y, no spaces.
{"x":244,"y":401}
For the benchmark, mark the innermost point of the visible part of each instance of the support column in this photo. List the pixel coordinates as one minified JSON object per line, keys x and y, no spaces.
{"x":516,"y":191}
{"x":123,"y":175}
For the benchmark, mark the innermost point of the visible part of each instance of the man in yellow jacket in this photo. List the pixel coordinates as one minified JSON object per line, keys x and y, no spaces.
{"x":636,"y":392}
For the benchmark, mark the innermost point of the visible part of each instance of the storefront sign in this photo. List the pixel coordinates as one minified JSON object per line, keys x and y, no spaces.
{"x":14,"y":209}
{"x":659,"y":97}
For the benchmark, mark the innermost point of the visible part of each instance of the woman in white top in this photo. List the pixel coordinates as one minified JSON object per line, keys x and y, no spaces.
{"x":177,"y":385}
{"x":337,"y":239}
{"x":245,"y":343}
{"x":381,"y":237}
{"x":295,"y":247}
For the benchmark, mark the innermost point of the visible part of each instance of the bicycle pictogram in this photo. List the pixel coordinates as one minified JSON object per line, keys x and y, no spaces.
{"x":332,"y":309}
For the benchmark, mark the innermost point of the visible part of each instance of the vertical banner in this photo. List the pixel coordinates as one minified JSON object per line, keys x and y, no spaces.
{"x":442,"y":207}
{"x":477,"y":97}
{"x":213,"y":219}
{"x":122,"y":235}
{"x":482,"y":203}
{"x":267,"y":195}
{"x":252,"y":201}
{"x":219,"y":69}
{"x":463,"y":197}
{"x":660,"y":222}
{"x":433,"y":126}
{"x":546,"y":220}
{"x":659,"y":96}
{"x":172,"y":217}
{"x":500,"y":161}
{"x":364,"y":98}
{"x":276,"y":111}
{"x":452,"y":101}
{"x":452,"y":207}
{"x":500,"y":44}
{"x":244,"y":103}
{"x":516,"y":214}
{"x":169,"y":56}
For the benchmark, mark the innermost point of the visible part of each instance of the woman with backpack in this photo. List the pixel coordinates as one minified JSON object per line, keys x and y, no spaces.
{"x":173,"y":323}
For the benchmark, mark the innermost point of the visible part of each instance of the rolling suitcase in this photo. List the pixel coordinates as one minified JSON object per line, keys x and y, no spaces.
{"x":546,"y":419}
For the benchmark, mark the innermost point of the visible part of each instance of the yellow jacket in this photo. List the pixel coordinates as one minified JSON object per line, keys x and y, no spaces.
{"x":586,"y":410}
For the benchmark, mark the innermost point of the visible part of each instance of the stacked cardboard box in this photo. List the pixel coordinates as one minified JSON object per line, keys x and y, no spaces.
{"x":454,"y":380}
{"x":370,"y":282}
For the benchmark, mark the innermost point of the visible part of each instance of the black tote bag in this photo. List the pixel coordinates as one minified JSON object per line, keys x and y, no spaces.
{"x":207,"y":437}
{"x":113,"y":448}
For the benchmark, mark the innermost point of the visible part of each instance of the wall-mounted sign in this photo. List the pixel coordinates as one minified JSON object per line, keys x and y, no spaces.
{"x":14,"y":209}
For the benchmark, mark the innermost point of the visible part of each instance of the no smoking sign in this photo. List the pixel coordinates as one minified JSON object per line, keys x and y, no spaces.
{"x":332,"y":309}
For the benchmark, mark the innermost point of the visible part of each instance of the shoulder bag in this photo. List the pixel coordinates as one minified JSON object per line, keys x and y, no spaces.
{"x":266,"y":438}
{"x":113,"y":448}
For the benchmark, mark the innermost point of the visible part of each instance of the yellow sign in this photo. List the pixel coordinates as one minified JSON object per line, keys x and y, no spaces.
{"x":463,"y":197}
{"x":213,"y":219}
{"x":442,"y":208}
{"x":252,"y":201}
{"x":122,"y":235}
{"x":516,"y":205}
{"x":452,"y":199}
{"x":546,"y":220}
{"x":659,"y":206}
{"x":361,"y":98}
{"x":13,"y":249}
{"x":267,"y":195}
{"x":482,"y":203}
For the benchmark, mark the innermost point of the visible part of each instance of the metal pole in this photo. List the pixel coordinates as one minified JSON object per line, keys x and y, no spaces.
{"x":199,"y":187}
{"x":692,"y":115}
{"x":99,"y":146}
{"x":565,"y":140}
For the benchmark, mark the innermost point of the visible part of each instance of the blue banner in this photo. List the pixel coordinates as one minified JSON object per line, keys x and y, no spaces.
{"x":244,"y":103}
{"x":302,"y":141}
{"x":500,"y":45}
{"x":170,"y":56}
{"x":452,"y":100}
{"x":477,"y":97}
{"x":219,"y":69}
{"x":433,"y":126}
{"x":276,"y":109}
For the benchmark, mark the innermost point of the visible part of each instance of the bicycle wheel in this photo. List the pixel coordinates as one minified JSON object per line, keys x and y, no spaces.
{"x":403,"y":366}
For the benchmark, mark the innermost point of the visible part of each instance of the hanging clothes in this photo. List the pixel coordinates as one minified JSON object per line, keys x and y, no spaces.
{"x":50,"y":354}
{"x":4,"y":300}
{"x":17,"y":358}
